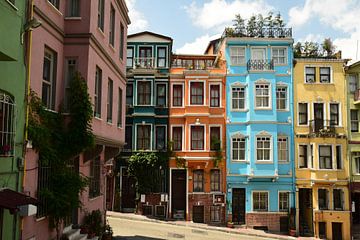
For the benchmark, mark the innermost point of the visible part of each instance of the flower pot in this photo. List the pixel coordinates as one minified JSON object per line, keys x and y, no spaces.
{"x":230,"y":225}
{"x":292,"y":232}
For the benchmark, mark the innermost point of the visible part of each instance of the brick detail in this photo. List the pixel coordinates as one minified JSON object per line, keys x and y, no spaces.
{"x":205,"y":200}
{"x":269,"y":220}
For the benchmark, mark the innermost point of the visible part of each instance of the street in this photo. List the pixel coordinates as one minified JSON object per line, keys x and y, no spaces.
{"x":138,"y":230}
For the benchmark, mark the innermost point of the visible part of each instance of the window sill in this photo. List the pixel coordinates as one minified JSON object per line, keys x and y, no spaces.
{"x":97,"y":118}
{"x":12,"y":5}
{"x":282,"y":110}
{"x":240,"y":161}
{"x":40,"y":219}
{"x":283,"y":162}
{"x":262,"y":109}
{"x":177,"y":107}
{"x":318,"y":83}
{"x":72,"y":18}
{"x":94,"y":198}
{"x":54,"y":8}
{"x":198,"y":192}
{"x":112,"y":47}
{"x":264,"y":162}
{"x":240,"y":110}
{"x":101,"y":32}
{"x":109,"y":123}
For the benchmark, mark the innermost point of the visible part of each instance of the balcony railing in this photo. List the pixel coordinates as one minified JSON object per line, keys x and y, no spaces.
{"x":144,"y":62}
{"x":260,"y":65}
{"x":357,"y":96}
{"x":193,"y":64}
{"x":322,"y":127}
{"x":266,"y":32}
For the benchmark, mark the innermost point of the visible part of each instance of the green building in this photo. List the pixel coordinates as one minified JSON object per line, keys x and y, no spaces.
{"x":13,"y":202}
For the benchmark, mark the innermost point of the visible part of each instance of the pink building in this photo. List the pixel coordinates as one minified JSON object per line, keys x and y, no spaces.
{"x":88,"y":36}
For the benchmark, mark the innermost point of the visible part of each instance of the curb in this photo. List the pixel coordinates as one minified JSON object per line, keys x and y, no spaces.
{"x":219,"y":229}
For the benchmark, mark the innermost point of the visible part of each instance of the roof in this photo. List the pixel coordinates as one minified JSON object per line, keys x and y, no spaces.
{"x":11,"y":199}
{"x":211,"y":43}
{"x":150,"y":33}
{"x":355,"y":64}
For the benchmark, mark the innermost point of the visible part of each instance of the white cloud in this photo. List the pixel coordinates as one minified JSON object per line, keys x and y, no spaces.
{"x":198,"y":46}
{"x":312,"y":38}
{"x":220,"y":13}
{"x":138,"y":20}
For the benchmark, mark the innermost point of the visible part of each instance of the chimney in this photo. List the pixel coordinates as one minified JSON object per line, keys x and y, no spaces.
{"x":338,"y":55}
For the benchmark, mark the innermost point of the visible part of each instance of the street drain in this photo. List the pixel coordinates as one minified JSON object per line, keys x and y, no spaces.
{"x":198,"y":231}
{"x":175,"y":235}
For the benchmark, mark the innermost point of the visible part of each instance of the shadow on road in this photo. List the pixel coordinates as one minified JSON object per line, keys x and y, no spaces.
{"x":136,"y":238}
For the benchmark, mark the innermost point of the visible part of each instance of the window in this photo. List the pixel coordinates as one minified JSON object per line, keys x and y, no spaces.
{"x":238,"y":98}
{"x":177,"y":138}
{"x":334,"y":114}
{"x":322,"y":230}
{"x":161,"y":56}
{"x":338,"y":157}
{"x":303,"y":113}
{"x":177,"y":96}
{"x":144,"y":92}
{"x":55,"y":3}
{"x":129,"y":57}
{"x":112,"y":26}
{"x":101,"y":4}
{"x":260,"y":201}
{"x":110,"y":101}
{"x":353,"y":83}
{"x":262,"y":95}
{"x":215,"y":213}
{"x":237,"y":55}
{"x":238,"y":149}
{"x":49,"y":79}
{"x":283,"y":155}
{"x":325,"y":157}
{"x":196,"y":93}
{"x":161,"y":95}
{"x":160,"y":132}
{"x":325,"y":75}
{"x":129,"y":94}
{"x":121,"y":49}
{"x":338,"y":198}
{"x":310,"y":75}
{"x":279,"y":55}
{"x":143,"y":137}
{"x":70,"y":74}
{"x":354,"y":118}
{"x":120,"y":106}
{"x":215,"y":180}
{"x":263,"y":149}
{"x":7,"y":125}
{"x":214,"y":95}
{"x":73,"y":8}
{"x":197,"y":138}
{"x":283,"y":201}
{"x":281,"y":98}
{"x":323,"y":199}
{"x":43,"y":181}
{"x":98,"y":90}
{"x":94,"y":186}
{"x":215,"y":138}
{"x":357,"y":165}
{"x":128,"y":137}
{"x":303,"y":156}
{"x":198,"y":180}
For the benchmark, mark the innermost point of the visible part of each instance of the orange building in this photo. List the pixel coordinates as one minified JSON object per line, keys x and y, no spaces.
{"x":197,"y":134}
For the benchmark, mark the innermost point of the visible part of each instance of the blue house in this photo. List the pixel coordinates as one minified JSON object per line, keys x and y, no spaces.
{"x":147,"y":112}
{"x":259,"y":128}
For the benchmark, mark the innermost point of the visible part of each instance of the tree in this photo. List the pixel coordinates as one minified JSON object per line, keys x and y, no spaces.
{"x":298,"y":49}
{"x":311,"y":49}
{"x":239,"y":24}
{"x":251,"y":26}
{"x":278,"y":21}
{"x":328,"y":47}
{"x":260,"y":25}
{"x":269,"y":21}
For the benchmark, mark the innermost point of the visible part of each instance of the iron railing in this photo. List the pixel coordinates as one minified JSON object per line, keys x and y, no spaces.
{"x":193,"y":64}
{"x":144,"y":62}
{"x":322,"y":127}
{"x":260,"y":65}
{"x":7,"y":125}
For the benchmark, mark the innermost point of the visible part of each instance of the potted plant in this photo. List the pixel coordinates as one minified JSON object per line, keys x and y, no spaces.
{"x":107,"y":232}
{"x":230,"y":224}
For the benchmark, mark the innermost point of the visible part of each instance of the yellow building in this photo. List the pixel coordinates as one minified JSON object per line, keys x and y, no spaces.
{"x":322,"y":167}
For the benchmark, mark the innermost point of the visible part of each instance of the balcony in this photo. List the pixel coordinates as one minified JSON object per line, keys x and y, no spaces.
{"x":324,"y":128}
{"x":260,"y":65}
{"x":194,"y":62}
{"x":144,"y":63}
{"x":357,"y":96}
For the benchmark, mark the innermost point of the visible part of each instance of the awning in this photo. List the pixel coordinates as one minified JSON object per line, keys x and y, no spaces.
{"x":11,"y":199}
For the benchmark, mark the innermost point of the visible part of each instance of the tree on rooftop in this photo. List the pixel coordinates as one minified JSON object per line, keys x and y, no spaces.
{"x":251,"y":26}
{"x":259,"y":24}
{"x":239,"y":24}
{"x":278,"y":21}
{"x":328,"y":47}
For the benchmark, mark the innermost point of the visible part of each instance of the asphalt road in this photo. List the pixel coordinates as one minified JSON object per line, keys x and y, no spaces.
{"x":125,"y":229}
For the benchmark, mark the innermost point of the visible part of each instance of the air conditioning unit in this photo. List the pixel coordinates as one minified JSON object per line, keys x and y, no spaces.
{"x":218,"y":198}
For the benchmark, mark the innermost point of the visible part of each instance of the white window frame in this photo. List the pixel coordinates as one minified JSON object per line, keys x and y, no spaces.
{"x":332,"y":156}
{"x":151,"y":92}
{"x":331,"y":75}
{"x":285,"y":56}
{"x":166,"y":56}
{"x":252,"y":200}
{"x":327,"y":196}
{"x":238,"y":136}
{"x":237,"y":56}
{"x":221,"y":136}
{"x":258,"y":47}
{"x":264,"y":135}
{"x":151,"y":136}
{"x":308,"y":114}
{"x":342,"y":199}
{"x":238,"y":85}
{"x":258,"y":83}
{"x":288,"y":201}
{"x":220,"y":95}
{"x":132,"y":56}
{"x":182,"y":136}
{"x":354,"y":121}
{"x":287,"y":148}
{"x":339,"y":113}
{"x":51,"y":101}
{"x":278,"y":86}
{"x":308,"y":155}
{"x":165,"y":137}
{"x":357,"y":166}
{"x":204,"y":93}
{"x":204,"y":137}
{"x":310,"y":66}
{"x":166,"y":93}
{"x":172,"y":94}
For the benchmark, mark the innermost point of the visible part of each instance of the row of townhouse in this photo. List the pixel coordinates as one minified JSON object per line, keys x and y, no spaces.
{"x":287,"y":129}
{"x":43,"y":44}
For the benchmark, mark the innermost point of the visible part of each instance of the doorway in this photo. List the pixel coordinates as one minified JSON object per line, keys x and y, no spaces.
{"x":198,"y":214}
{"x":128,"y":192}
{"x":178,"y":193}
{"x":238,"y":205}
{"x":336,"y":231}
{"x":306,"y":212}
{"x":319,"y":116}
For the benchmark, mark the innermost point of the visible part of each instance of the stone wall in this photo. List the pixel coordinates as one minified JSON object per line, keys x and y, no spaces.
{"x":206,"y":200}
{"x":269,"y":220}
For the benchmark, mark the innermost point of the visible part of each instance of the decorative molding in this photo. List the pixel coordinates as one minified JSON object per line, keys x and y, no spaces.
{"x":263,"y":133}
{"x":262,"y":81}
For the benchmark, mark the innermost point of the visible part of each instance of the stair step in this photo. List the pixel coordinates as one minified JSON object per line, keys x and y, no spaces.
{"x":72,"y":234}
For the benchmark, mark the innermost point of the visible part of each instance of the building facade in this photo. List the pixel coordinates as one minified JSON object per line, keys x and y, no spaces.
{"x":259,"y":130}
{"x":197,"y":132}
{"x":322,"y":167}
{"x":353,"y":101}
{"x":147,"y":108}
{"x":88,"y":37}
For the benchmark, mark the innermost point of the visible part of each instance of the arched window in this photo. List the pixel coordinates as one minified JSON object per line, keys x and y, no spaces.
{"x":7,"y":124}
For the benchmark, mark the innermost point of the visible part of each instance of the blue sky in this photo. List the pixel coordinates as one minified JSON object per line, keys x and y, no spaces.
{"x":192,"y":24}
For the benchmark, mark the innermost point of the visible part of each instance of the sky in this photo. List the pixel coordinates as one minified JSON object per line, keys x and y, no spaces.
{"x":192,"y":24}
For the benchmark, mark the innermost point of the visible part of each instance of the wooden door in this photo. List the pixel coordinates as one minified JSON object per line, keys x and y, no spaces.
{"x":336,"y":231}
{"x":238,"y":205}
{"x":198,"y":214}
{"x":128,"y":192}
{"x":178,"y":193}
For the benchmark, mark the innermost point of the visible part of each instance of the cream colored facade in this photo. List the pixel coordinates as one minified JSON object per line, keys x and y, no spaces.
{"x":321,"y":163}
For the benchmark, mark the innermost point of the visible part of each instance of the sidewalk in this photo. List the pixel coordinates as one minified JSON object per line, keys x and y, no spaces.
{"x":241,"y":231}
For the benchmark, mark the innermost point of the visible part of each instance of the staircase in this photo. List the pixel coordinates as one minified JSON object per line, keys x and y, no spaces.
{"x":73,"y":234}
